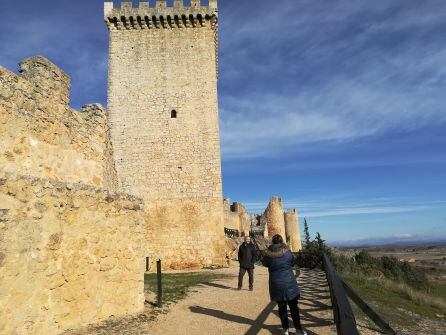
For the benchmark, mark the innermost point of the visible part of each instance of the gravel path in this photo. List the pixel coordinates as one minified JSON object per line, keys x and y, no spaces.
{"x":217,"y":308}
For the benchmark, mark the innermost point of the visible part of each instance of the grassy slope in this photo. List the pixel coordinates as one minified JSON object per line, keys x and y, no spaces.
{"x":439,"y":289}
{"x":395,"y":307}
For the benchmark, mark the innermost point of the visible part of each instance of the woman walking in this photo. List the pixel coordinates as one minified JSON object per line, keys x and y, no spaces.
{"x":282,"y":283}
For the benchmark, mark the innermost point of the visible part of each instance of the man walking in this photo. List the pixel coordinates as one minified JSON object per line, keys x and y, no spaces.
{"x":246,"y":258}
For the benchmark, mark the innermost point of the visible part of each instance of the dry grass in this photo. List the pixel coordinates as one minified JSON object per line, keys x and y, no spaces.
{"x":420,"y":297}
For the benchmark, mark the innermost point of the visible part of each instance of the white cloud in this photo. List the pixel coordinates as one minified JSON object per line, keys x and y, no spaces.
{"x":384,"y":87}
{"x":332,"y":207}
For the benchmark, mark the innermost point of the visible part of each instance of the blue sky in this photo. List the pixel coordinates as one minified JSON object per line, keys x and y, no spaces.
{"x":336,"y":106}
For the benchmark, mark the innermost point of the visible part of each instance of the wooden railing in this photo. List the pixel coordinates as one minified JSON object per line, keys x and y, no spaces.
{"x":342,"y":310}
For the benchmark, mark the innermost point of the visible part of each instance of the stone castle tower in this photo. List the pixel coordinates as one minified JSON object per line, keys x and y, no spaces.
{"x":292,"y":231}
{"x":163,"y":115}
{"x":274,"y":218}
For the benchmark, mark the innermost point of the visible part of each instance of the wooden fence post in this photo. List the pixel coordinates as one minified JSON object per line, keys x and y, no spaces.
{"x":159,"y":280}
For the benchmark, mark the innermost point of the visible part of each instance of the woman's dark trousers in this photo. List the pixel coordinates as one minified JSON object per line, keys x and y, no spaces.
{"x":283,"y":314}
{"x":242,"y":274}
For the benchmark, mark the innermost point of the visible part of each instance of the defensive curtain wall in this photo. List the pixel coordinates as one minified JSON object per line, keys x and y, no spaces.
{"x":236,"y":218}
{"x":163,"y":113}
{"x":273,"y":221}
{"x":42,"y":136}
{"x":71,"y":250}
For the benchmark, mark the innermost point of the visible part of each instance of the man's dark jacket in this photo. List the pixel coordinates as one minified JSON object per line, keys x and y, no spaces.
{"x":247,"y":255}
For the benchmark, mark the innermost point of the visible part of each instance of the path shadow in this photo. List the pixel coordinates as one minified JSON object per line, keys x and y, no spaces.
{"x":256,"y":325}
{"x":224,"y":287}
{"x":315,"y":304}
{"x":315,"y":308}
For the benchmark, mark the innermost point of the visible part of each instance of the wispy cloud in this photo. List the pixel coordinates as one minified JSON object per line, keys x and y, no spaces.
{"x":340,"y":207}
{"x":332,"y":73}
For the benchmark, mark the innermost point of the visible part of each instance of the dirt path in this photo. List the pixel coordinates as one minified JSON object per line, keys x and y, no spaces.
{"x":218,"y":308}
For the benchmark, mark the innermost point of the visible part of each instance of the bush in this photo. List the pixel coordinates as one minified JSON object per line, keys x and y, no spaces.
{"x":385,"y":267}
{"x":312,"y":254}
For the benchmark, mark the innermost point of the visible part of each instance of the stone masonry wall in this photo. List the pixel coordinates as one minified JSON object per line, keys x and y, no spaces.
{"x":231,"y":220}
{"x":70,"y":254}
{"x":274,"y":219}
{"x":292,"y":230}
{"x":236,"y":217}
{"x":163,"y":111}
{"x":41,"y":136}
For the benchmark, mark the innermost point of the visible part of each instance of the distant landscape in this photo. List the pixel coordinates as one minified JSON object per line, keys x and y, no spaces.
{"x":390,"y":242}
{"x":406,"y":284}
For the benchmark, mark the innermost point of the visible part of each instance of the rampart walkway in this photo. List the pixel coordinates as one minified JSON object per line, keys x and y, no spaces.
{"x":217,"y":309}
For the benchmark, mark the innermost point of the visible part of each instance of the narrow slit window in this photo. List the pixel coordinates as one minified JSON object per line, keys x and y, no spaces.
{"x":173,"y":114}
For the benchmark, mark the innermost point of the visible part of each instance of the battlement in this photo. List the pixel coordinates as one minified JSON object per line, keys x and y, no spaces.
{"x":276,"y":199}
{"x":161,"y":16}
{"x":41,"y":135}
{"x":47,"y":77}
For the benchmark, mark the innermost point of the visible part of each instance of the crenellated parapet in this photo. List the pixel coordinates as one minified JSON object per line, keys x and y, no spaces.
{"x":161,"y":16}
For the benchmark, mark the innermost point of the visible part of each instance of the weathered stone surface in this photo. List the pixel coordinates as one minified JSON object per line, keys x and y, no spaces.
{"x":273,"y":217}
{"x":163,"y":113}
{"x":236,"y":217}
{"x":292,"y":230}
{"x":71,"y":265}
{"x":42,"y":136}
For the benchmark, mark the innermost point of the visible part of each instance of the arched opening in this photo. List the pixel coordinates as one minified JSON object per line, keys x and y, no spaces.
{"x":173,"y":114}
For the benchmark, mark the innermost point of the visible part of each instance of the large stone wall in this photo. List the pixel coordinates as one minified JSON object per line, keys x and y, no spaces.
{"x":70,"y":254}
{"x":292,"y":230}
{"x":41,"y":136}
{"x":163,"y":110}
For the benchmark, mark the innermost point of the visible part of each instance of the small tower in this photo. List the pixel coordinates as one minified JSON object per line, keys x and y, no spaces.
{"x":292,"y":230}
{"x":163,"y":115}
{"x":274,"y":218}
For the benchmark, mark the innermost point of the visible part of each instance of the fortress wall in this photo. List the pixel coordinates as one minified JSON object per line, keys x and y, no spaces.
{"x":274,"y":219}
{"x":236,"y":217}
{"x":163,"y":61}
{"x":183,"y":233}
{"x":292,"y":230}
{"x":41,"y":136}
{"x":69,"y":255}
{"x":244,"y":218}
{"x":231,"y":220}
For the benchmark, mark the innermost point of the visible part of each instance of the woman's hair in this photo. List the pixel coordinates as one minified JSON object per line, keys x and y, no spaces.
{"x":277,"y":239}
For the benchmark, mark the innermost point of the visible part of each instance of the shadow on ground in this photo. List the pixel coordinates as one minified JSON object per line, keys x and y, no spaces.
{"x":315,"y":308}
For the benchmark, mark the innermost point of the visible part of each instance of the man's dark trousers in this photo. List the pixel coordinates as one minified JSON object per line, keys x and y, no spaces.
{"x":250,"y":275}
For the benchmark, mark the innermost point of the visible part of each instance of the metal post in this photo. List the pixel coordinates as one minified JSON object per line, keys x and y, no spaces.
{"x":160,"y":288}
{"x":147,"y":264}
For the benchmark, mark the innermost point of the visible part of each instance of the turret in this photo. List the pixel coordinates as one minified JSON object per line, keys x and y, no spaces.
{"x":292,"y":231}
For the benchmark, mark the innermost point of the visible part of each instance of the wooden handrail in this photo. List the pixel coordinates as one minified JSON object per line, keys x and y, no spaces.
{"x":343,"y":313}
{"x":380,"y":322}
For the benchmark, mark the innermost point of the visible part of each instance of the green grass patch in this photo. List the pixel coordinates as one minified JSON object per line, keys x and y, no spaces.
{"x":177,"y":285}
{"x":393,"y":303}
{"x":438,"y":289}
